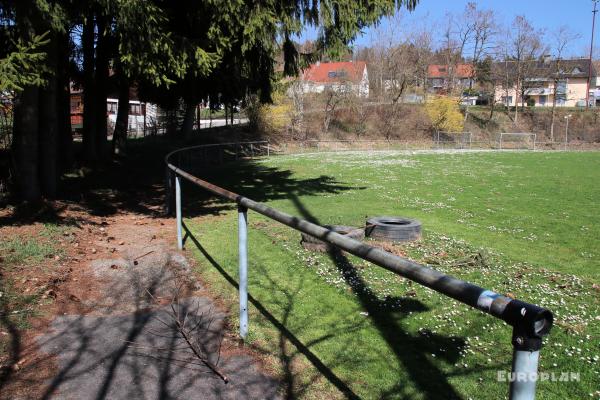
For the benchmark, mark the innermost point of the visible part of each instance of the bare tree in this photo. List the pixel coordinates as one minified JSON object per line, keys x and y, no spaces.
{"x":453,"y":43}
{"x":485,"y":32}
{"x":561,"y":39}
{"x":385,"y":41}
{"x":333,"y":98}
{"x":296,"y":93}
{"x":525,"y":48}
{"x":420,"y":40}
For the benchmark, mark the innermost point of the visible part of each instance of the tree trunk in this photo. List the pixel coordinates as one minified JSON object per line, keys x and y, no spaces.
{"x":26,"y":120}
{"x":187,"y":128}
{"x":198,"y":117}
{"x":553,"y":113}
{"x":48,"y":126}
{"x":492,"y":103}
{"x":25,"y":143}
{"x":516,"y":102}
{"x":89,"y":111}
{"x":63,"y":98}
{"x":120,"y":133}
{"x":101,"y":92}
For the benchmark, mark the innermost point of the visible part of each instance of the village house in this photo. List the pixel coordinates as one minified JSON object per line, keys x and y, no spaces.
{"x":350,"y":76}
{"x":442,"y":79}
{"x":545,"y":79}
{"x":142,"y":115}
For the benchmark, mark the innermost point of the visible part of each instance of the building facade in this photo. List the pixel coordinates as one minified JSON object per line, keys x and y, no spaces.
{"x":444,"y":79}
{"x":546,"y":81}
{"x":141,"y":115}
{"x":349,"y":77}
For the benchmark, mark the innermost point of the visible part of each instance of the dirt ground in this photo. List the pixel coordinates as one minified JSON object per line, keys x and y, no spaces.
{"x":108,"y":301}
{"x":106,"y":316}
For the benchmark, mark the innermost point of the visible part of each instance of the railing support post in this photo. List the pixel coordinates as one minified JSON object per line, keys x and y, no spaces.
{"x":243,"y":266}
{"x":178,"y":211}
{"x":168,"y":192}
{"x":524,"y":373}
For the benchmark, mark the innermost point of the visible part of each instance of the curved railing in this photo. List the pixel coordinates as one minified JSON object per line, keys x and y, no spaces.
{"x":530,"y":322}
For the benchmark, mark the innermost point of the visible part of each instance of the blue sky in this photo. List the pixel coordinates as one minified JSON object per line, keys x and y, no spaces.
{"x":546,"y":14}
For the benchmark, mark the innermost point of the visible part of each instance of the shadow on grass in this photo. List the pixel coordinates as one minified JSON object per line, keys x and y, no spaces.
{"x":410,"y":350}
{"x":292,"y":388}
{"x":256,"y":181}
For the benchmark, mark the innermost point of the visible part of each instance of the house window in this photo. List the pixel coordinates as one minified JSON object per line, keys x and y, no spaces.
{"x":561,"y":90}
{"x":507,"y":100}
{"x":112,"y":108}
{"x":135,"y":109}
{"x":442,"y":69}
{"x":331,"y":74}
{"x":75,"y":105}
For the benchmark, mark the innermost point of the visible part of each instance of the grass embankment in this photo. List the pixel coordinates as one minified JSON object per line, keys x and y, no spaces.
{"x":522,"y":224}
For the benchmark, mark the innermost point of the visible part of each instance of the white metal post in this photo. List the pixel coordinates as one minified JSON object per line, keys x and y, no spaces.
{"x":243,"y":266}
{"x":178,"y":211}
{"x":524,"y":375}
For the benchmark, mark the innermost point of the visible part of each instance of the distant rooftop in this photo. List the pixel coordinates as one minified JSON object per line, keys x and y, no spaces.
{"x":335,"y":72}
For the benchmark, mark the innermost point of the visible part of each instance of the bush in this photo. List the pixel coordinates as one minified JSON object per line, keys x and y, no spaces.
{"x":268,"y":118}
{"x":444,"y":114}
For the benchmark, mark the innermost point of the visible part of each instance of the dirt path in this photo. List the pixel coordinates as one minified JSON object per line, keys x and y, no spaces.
{"x":111,"y":330}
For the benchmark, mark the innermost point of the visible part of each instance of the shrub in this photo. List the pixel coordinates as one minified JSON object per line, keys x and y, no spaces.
{"x":269,"y":118}
{"x":444,"y":114}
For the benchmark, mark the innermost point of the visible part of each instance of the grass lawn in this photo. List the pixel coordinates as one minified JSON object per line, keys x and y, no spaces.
{"x":336,"y":326}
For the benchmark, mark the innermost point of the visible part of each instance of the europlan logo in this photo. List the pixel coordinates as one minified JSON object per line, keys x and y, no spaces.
{"x":506,"y":376}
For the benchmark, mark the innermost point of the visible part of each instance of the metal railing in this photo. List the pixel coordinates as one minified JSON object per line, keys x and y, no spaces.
{"x":530,"y":323}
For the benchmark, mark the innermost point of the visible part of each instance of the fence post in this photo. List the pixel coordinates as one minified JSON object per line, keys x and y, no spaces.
{"x":526,"y":355}
{"x":178,"y":211}
{"x":168,"y":192}
{"x":243,"y":266}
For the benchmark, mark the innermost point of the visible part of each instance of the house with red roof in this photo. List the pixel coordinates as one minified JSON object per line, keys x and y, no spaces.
{"x":349,"y":76}
{"x":440,"y":78}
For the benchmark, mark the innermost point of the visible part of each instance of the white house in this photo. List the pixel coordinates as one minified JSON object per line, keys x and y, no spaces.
{"x":141,"y":115}
{"x":337,"y":76}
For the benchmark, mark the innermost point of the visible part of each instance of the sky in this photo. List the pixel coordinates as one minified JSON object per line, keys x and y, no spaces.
{"x":544,"y":14}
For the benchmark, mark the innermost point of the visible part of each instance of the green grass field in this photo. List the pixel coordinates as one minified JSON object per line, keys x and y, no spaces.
{"x":340,"y":327}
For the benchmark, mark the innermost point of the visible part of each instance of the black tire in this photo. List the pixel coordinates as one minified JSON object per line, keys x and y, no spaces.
{"x":312,"y":243}
{"x":395,"y":229}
